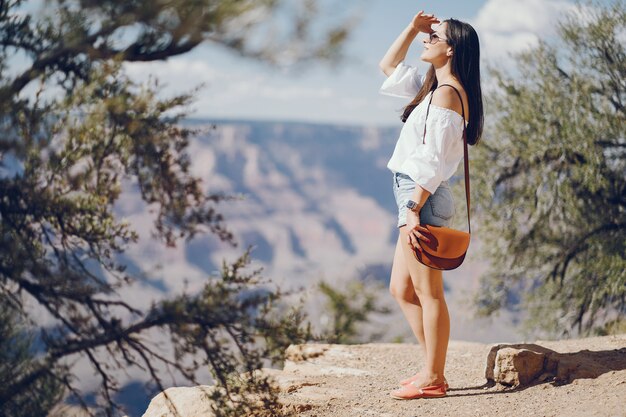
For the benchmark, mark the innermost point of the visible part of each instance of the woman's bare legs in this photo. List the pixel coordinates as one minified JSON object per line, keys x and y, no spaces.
{"x":401,"y":288}
{"x":428,"y":285}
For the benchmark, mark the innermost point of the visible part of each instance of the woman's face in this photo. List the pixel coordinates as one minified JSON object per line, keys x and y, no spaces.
{"x":439,"y":51}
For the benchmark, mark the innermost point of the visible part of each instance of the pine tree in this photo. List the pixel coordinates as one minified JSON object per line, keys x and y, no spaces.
{"x":75,"y":129}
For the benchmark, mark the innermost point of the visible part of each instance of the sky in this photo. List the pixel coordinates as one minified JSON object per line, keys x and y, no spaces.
{"x":241,"y":88}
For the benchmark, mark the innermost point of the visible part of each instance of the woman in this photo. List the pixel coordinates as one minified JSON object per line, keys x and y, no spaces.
{"x":422,"y":162}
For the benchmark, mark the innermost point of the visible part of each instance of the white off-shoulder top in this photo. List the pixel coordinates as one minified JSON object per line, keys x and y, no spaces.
{"x":436,"y":160}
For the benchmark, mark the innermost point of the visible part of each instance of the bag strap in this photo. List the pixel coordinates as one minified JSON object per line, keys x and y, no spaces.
{"x":465,"y":153}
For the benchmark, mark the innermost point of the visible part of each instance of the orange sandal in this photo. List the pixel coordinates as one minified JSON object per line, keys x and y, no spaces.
{"x":414,"y":377}
{"x":410,"y":392}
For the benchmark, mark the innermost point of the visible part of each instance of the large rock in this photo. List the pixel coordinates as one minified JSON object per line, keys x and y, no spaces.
{"x":523,"y":364}
{"x":516,"y":367}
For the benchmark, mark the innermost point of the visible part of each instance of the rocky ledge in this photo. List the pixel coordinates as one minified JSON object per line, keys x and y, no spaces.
{"x":576,"y":377}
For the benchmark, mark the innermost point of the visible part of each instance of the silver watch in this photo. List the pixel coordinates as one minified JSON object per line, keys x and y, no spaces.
{"x":413,"y":206}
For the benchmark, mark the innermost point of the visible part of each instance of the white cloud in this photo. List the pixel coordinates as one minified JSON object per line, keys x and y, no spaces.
{"x":510,"y":26}
{"x":234,"y":90}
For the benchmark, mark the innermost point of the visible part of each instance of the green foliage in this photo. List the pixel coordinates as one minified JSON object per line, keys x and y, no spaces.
{"x":347,"y":310}
{"x":17,"y":356}
{"x":75,"y":135}
{"x":550,"y":178}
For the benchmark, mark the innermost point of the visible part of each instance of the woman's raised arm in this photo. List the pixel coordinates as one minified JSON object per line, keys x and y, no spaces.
{"x":397,"y":51}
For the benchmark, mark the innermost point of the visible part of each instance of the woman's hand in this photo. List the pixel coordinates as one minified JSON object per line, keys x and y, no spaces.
{"x":414,"y":229}
{"x":421,"y":22}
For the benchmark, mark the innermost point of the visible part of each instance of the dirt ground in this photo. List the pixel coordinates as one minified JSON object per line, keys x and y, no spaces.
{"x":356,"y":380}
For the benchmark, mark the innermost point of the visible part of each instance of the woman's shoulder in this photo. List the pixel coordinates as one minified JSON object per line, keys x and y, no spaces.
{"x":447,"y":98}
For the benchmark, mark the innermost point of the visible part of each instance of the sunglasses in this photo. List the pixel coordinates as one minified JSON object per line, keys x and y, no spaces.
{"x":434,"y":38}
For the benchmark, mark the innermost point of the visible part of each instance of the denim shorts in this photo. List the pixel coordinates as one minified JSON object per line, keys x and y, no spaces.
{"x":438,"y":209}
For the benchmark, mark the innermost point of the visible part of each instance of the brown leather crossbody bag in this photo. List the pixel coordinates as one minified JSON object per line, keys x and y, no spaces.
{"x":447,"y":247}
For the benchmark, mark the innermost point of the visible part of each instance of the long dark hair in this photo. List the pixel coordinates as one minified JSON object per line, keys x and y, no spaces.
{"x":463,"y":39}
